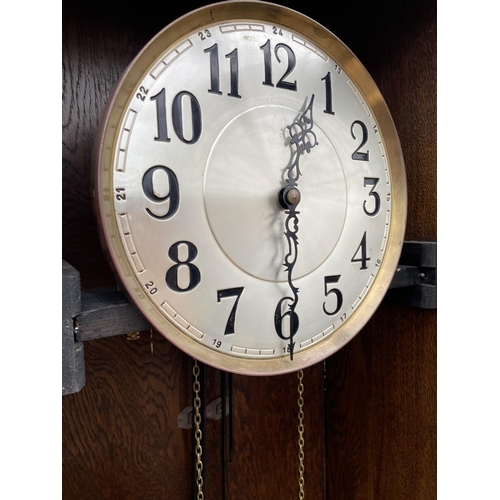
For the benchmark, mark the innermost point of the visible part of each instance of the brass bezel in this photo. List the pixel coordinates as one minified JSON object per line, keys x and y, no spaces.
{"x":102,"y":179}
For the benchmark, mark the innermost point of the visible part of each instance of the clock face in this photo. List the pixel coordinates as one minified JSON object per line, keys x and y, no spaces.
{"x":221,"y":112}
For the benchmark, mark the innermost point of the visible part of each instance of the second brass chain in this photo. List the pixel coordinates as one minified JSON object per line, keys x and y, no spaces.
{"x":197,"y":432}
{"x":302,"y":494}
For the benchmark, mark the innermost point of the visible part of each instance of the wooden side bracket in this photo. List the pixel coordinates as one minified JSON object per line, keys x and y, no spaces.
{"x":415,"y":280}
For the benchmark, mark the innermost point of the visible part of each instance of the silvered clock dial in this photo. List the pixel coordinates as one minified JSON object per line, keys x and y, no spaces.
{"x":250,"y":188}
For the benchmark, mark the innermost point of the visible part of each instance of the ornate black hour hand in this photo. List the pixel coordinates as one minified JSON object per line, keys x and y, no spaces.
{"x":303,"y":139}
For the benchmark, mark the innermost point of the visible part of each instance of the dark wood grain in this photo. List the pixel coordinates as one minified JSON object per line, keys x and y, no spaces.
{"x":381,"y":396}
{"x":265,"y":463}
{"x":381,"y":411}
{"x":121,"y":438}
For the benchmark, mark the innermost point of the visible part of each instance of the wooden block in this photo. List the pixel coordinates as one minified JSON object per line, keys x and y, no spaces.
{"x":419,"y":253}
{"x":73,"y":362}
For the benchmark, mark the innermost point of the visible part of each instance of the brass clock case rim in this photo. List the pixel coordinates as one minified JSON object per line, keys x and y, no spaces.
{"x":102,"y":192}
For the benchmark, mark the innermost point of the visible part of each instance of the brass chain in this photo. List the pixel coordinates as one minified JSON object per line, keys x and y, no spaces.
{"x":302,"y":494}
{"x":197,"y":431}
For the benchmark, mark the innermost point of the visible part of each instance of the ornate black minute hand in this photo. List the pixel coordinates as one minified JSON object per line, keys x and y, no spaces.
{"x":304,"y":139}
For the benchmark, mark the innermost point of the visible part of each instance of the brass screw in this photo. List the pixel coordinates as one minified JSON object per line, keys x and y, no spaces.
{"x":134,"y":336}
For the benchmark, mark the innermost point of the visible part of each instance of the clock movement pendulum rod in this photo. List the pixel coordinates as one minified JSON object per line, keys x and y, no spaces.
{"x":226,"y":427}
{"x":302,"y":494}
{"x":198,"y":434}
{"x":223,"y":390}
{"x":231,"y":415}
